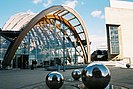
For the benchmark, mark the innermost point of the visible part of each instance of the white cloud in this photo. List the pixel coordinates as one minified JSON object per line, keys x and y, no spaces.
{"x":37,"y":1}
{"x":97,"y":14}
{"x":97,"y":42}
{"x":47,"y":3}
{"x":71,"y":3}
{"x":30,"y":11}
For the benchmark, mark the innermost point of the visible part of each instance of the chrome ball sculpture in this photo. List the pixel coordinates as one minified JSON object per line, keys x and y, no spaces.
{"x":54,"y":80}
{"x":76,"y":74}
{"x":96,"y":76}
{"x":128,"y":65}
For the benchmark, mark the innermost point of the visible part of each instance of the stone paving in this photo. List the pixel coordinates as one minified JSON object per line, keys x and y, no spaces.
{"x":35,"y":79}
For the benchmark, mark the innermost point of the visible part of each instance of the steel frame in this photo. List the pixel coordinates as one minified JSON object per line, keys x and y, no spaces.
{"x":45,"y":16}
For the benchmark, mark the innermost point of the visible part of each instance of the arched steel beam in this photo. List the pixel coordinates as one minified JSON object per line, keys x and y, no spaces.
{"x":46,"y":21}
{"x":73,"y":30}
{"x":64,"y":32}
{"x":10,"y":54}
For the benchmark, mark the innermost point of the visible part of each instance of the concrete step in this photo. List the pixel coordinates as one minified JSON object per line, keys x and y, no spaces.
{"x":121,"y":64}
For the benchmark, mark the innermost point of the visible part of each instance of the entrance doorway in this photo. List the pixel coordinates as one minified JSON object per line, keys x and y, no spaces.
{"x":21,"y":61}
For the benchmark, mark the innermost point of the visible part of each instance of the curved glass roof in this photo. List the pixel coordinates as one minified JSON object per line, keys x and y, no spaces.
{"x":18,"y":21}
{"x":51,"y":32}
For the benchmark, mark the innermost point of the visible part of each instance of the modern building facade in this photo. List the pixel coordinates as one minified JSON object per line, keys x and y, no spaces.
{"x":56,"y":33}
{"x":119,"y":25}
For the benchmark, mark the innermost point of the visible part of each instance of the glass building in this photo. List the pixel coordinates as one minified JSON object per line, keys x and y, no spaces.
{"x":55,"y":35}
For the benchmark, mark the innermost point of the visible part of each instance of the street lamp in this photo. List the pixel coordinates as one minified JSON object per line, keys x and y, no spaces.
{"x":24,"y":48}
{"x":75,"y":44}
{"x":63,"y":53}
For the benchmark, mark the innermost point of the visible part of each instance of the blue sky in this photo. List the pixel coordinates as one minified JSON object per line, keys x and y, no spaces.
{"x":91,"y":11}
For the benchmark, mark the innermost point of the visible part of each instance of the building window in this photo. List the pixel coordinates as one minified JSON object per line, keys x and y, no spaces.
{"x":114,"y":40}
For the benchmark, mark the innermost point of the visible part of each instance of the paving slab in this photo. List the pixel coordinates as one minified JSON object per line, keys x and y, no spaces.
{"x":35,"y":79}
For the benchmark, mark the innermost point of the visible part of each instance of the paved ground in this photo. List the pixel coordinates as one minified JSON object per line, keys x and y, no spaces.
{"x":122,"y":76}
{"x":31,"y":79}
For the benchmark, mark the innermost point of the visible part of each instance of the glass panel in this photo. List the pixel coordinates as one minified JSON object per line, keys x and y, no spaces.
{"x":64,"y":12}
{"x":3,"y":47}
{"x":114,"y":41}
{"x":82,"y":36}
{"x":68,"y":16}
{"x":74,"y":22}
{"x":79,"y":29}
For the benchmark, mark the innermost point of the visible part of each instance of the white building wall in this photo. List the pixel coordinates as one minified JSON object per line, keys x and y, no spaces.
{"x":121,"y":4}
{"x":124,"y":18}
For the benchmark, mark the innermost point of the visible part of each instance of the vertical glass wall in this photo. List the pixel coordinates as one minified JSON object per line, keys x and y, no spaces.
{"x":47,"y":45}
{"x":3,"y":48}
{"x":114,"y":40}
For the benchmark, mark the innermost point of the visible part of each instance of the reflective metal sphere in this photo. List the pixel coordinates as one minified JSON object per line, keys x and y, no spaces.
{"x":96,"y":76}
{"x":128,"y":65}
{"x":54,"y":80}
{"x":76,"y":74}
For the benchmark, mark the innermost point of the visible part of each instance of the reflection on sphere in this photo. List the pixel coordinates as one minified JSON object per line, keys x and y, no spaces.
{"x":128,"y":65}
{"x":76,"y":74}
{"x":96,"y":76}
{"x":54,"y":80}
